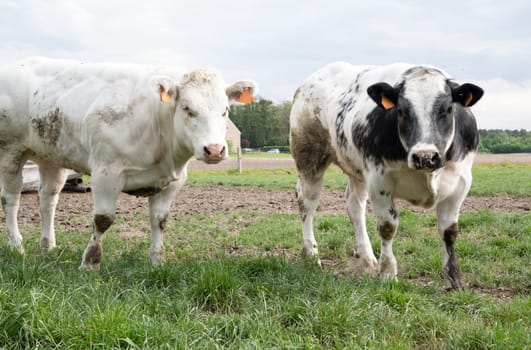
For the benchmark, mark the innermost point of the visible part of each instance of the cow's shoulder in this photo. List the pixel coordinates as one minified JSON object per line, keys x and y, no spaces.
{"x":376,"y":136}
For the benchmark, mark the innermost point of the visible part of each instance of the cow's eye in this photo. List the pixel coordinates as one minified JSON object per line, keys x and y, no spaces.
{"x":188,"y":111}
{"x":449,"y":110}
{"x":226,"y":112}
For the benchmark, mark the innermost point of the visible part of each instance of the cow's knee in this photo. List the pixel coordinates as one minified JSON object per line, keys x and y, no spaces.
{"x":103,"y":221}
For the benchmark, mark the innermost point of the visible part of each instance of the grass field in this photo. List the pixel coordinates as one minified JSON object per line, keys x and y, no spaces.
{"x":236,"y":280}
{"x":489,"y":179}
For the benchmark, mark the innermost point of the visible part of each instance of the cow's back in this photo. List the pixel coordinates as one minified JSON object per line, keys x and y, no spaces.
{"x":60,"y":110}
{"x":332,"y":100}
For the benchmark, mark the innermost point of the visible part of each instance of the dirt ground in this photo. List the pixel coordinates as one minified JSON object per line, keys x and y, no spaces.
{"x":221,"y":198}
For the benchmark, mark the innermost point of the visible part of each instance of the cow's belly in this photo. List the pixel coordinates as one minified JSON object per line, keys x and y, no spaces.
{"x":151,"y":181}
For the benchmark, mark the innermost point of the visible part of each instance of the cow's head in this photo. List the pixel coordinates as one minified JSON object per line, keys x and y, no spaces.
{"x":201,"y":109}
{"x":425,"y":105}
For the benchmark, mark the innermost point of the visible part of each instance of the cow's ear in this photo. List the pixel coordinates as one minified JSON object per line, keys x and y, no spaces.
{"x":384,"y":95}
{"x":467,"y":94}
{"x":242,"y":92}
{"x":165,"y":89}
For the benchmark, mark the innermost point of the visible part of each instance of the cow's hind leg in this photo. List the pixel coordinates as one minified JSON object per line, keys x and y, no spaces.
{"x":159,"y":207}
{"x":308,"y":191}
{"x":52,"y":181}
{"x":11,"y":164}
{"x":106,"y":187}
{"x":356,"y":195}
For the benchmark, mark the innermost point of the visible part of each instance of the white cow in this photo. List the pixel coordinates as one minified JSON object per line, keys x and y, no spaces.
{"x":132,"y":128}
{"x":397,"y":131}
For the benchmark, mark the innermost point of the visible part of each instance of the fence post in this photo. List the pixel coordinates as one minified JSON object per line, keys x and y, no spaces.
{"x":239,"y":152}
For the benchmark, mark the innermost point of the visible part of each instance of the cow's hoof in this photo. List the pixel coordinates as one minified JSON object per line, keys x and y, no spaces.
{"x":387,"y":268}
{"x":311,"y":253}
{"x":47,"y":245}
{"x":369,"y":265}
{"x":16,"y":247}
{"x":157,"y":258}
{"x":89,"y":267}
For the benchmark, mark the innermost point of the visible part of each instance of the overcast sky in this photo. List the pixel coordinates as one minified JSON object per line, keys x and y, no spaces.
{"x":279,"y":43}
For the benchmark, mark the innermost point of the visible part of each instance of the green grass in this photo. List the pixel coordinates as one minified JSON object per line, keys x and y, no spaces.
{"x":488,"y":179}
{"x":236,"y":281}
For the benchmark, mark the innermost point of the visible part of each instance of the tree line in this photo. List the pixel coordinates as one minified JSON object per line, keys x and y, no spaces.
{"x":264,"y":124}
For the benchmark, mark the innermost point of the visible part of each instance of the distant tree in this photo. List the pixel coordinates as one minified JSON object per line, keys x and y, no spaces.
{"x":505,"y":141}
{"x":263,"y":123}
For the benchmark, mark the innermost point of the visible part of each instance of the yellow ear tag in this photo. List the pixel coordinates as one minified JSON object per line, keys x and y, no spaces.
{"x":387,"y":103}
{"x":164,"y":97}
{"x":246,"y":97}
{"x":469,"y":98}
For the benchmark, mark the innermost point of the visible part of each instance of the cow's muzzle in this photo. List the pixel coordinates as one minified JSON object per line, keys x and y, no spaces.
{"x":214,"y":153}
{"x":427,"y":160}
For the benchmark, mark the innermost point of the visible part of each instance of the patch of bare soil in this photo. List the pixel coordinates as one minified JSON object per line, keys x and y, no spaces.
{"x":74,"y":209}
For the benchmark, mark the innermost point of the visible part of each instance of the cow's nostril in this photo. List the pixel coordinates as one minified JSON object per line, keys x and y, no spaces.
{"x":206,"y":150}
{"x":416,"y":159}
{"x":222,"y":152}
{"x":436,"y":156}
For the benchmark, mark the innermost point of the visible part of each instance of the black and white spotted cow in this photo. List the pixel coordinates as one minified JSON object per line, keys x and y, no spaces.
{"x":397,"y":131}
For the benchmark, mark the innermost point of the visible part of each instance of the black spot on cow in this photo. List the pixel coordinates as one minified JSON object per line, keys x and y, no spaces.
{"x":451,"y":270}
{"x":378,"y":138}
{"x":346,"y":102}
{"x":49,"y":126}
{"x":466,"y":137}
{"x":393,"y":213}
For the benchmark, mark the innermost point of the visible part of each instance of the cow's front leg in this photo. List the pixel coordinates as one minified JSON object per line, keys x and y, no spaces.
{"x":447,"y":217}
{"x":52,"y":181}
{"x":11,"y":164}
{"x":386,"y":224}
{"x":105,"y":191}
{"x":159,"y":207}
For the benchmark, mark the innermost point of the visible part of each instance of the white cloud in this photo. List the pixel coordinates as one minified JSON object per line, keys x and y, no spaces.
{"x":505,"y":105}
{"x":279,"y":43}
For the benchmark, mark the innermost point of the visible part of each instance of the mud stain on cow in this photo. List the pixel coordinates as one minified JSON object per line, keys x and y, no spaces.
{"x":386,"y":230}
{"x":49,"y":126}
{"x":162,"y":222}
{"x":311,"y":147}
{"x":102,"y":222}
{"x":111,"y":116}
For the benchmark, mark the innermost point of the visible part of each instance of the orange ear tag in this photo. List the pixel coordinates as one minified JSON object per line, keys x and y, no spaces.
{"x":164,"y":97}
{"x":246,"y":97}
{"x":387,"y":103}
